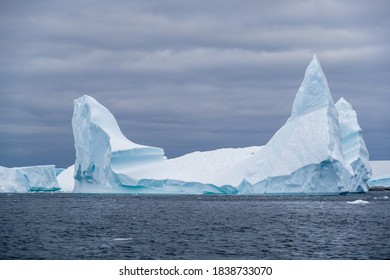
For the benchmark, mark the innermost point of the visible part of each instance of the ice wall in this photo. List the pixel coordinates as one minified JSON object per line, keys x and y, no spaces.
{"x":28,"y":179}
{"x":353,"y":146}
{"x":101,"y":146}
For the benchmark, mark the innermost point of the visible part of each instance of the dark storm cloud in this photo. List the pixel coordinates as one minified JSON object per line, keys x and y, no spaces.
{"x":184,"y":75}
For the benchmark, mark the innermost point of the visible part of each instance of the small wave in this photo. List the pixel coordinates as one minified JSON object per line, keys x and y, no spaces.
{"x":358,"y":201}
{"x":122,"y":239}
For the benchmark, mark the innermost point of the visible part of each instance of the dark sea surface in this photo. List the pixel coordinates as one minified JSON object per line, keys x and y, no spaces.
{"x":115,"y":226}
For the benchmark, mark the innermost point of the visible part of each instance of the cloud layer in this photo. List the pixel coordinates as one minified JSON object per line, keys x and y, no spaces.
{"x":184,"y":75}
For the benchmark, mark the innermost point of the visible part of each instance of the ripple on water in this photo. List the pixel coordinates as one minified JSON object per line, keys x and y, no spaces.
{"x":88,"y":226}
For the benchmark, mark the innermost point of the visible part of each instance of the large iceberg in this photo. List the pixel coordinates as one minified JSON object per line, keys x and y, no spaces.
{"x":313,"y":152}
{"x":319,"y":150}
{"x":28,"y":179}
{"x":101,"y":146}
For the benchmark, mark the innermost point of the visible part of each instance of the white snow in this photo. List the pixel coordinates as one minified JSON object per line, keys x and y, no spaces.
{"x":202,"y":167}
{"x":65,"y":179}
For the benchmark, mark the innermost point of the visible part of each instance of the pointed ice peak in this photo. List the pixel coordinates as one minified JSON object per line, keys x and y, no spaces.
{"x":88,"y":110}
{"x":314,"y":92}
{"x":86,"y":99}
{"x":347,"y":116}
{"x":343,"y":102}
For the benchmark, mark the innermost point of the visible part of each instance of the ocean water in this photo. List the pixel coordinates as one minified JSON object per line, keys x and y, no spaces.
{"x":106,"y":226}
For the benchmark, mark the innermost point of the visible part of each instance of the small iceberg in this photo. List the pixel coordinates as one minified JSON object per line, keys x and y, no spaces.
{"x":358,"y":201}
{"x":123,"y":239}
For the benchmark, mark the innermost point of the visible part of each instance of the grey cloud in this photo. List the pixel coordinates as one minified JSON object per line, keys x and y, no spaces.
{"x":183,"y":75}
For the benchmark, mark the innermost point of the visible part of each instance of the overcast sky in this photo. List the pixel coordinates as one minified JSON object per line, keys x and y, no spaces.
{"x":184,"y":75}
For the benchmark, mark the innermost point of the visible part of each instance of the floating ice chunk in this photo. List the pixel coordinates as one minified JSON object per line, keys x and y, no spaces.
{"x":123,"y":239}
{"x":28,"y":179}
{"x":358,"y":201}
{"x":383,"y":197}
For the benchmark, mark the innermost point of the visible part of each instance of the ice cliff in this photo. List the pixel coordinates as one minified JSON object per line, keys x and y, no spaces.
{"x":100,"y":146}
{"x":28,"y":179}
{"x":353,"y":146}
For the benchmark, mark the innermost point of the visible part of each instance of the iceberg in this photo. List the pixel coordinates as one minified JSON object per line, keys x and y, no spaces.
{"x":100,"y":146}
{"x":306,"y":155}
{"x":358,"y":202}
{"x":319,"y":150}
{"x":28,"y":179}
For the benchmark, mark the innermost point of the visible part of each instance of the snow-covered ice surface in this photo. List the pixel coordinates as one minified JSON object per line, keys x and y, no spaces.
{"x":28,"y":179}
{"x":320,"y":150}
{"x":65,"y":179}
